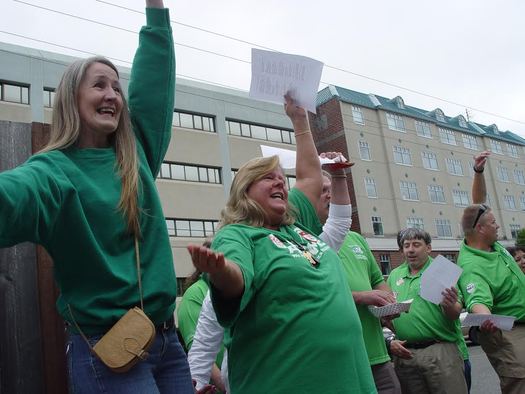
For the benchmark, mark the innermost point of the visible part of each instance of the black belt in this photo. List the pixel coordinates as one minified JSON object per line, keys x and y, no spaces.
{"x":167,"y":325}
{"x":420,"y":345}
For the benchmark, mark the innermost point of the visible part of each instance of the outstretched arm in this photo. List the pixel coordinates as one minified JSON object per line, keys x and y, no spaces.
{"x":479,"y":188}
{"x":225,"y":275}
{"x":308,"y":166}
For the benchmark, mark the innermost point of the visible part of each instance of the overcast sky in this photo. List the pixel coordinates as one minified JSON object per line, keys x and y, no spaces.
{"x":463,"y":51}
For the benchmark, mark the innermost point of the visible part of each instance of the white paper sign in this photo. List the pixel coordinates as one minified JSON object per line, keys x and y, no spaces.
{"x":440,"y":275}
{"x":500,"y":321}
{"x":275,"y":73}
{"x":391,"y":309}
{"x":287,"y":157}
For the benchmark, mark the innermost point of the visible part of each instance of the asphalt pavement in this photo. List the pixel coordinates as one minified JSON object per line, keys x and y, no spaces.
{"x":484,"y":379}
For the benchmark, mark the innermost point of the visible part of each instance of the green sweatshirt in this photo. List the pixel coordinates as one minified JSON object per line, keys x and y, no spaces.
{"x":66,"y":200}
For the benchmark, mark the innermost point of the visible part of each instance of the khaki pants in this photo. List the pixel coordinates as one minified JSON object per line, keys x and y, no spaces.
{"x":437,"y":369}
{"x":506,"y":352}
{"x":386,"y":379}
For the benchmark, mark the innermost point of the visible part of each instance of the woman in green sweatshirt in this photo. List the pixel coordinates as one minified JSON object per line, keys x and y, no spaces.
{"x":90,"y":193}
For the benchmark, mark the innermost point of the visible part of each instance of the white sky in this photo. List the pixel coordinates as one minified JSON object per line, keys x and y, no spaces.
{"x":464,"y":51}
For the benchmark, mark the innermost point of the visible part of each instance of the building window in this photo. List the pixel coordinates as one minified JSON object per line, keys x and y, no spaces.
{"x":429,"y":160}
{"x":513,"y":150}
{"x":436,"y":194}
{"x":14,"y":93}
{"x":462,"y":122}
{"x":290,"y":181}
{"x":503,"y":174}
{"x":443,"y":228}
{"x":384,"y":262}
{"x":357,"y":115}
{"x":519,"y":177}
{"x":454,"y":166}
{"x":191,"y":173}
{"x":249,"y":130}
{"x":447,"y":136}
{"x":395,"y":122}
{"x":509,"y":202}
{"x":440,"y":116}
{"x":370,"y":185}
{"x":377,"y":225}
{"x":460,"y":198}
{"x":193,"y":121}
{"x":514,"y":228}
{"x":364,"y":150}
{"x":415,"y":223}
{"x":470,"y":142}
{"x":49,"y":97}
{"x":191,"y":227}
{"x":522,"y":203}
{"x":495,"y":146}
{"x":423,"y":129}
{"x":402,"y":155}
{"x":408,"y":191}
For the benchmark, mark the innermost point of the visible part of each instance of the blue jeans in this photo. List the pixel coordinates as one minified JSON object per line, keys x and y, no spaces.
{"x":166,"y":369}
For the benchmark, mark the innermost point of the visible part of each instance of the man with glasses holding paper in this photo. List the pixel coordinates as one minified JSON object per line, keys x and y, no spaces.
{"x":429,"y":351}
{"x":492,"y":283}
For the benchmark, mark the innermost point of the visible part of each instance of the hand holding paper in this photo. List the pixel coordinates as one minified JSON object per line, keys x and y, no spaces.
{"x":391,"y":309}
{"x":440,"y":275}
{"x":500,"y":321}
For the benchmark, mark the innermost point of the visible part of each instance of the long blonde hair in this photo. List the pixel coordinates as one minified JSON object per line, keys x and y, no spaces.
{"x":65,"y":131}
{"x":242,"y":209}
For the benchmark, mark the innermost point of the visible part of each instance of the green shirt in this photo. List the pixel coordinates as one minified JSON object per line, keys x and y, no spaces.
{"x":363,"y":274}
{"x":295,"y":329}
{"x":425,"y":320}
{"x":189,"y":309}
{"x":492,"y":279}
{"x":66,"y":200}
{"x":305,"y":212}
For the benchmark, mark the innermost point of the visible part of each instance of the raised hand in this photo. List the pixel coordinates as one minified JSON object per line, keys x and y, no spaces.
{"x":480,"y":161}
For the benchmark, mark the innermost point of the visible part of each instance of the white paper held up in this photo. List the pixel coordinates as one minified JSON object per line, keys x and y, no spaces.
{"x":275,"y":73}
{"x":287,"y":157}
{"x":440,"y":275}
{"x":500,"y":321}
{"x":391,"y":309}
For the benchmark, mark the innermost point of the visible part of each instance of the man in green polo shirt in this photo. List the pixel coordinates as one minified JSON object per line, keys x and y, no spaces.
{"x":369,"y":288}
{"x":427,"y":355}
{"x":492,"y":282}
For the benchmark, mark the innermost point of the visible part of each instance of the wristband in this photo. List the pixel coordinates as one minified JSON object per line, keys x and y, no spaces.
{"x":478,"y":171}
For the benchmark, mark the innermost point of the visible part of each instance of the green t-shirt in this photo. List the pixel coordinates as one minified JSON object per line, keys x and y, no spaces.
{"x":295,"y":329}
{"x":425,"y":320}
{"x":363,"y":274}
{"x":66,"y":200}
{"x":189,"y":309}
{"x":305,"y":212}
{"x":492,"y":279}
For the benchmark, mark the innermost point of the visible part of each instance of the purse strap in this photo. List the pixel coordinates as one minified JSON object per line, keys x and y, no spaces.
{"x":139,"y":276}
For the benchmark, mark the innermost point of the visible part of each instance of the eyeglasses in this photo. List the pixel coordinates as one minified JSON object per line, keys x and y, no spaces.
{"x":482,"y":209}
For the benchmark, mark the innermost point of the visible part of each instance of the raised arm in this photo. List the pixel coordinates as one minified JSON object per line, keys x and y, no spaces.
{"x":152,"y":85}
{"x":479,"y":188}
{"x":308,"y":166}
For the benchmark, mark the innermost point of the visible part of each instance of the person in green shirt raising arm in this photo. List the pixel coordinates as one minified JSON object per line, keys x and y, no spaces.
{"x":429,"y":349}
{"x":492,"y":282}
{"x":89,"y":197}
{"x":280,"y":292}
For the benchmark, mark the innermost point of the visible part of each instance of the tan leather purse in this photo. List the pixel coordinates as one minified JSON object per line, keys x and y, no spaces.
{"x":128,"y":341}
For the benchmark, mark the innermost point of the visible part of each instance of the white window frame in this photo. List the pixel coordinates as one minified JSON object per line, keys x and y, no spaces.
{"x":395,"y":122}
{"x":434,"y":194}
{"x":402,"y":153}
{"x":370,"y":183}
{"x":357,"y":115}
{"x":414,"y":222}
{"x":470,"y":142}
{"x":444,"y":225}
{"x":447,"y":136}
{"x":512,"y":150}
{"x":519,"y":176}
{"x":379,"y":221}
{"x":503,"y":174}
{"x":509,"y":202}
{"x":428,"y":158}
{"x":408,"y":191}
{"x":495,"y":147}
{"x":364,"y":146}
{"x":453,"y":165}
{"x":460,"y":198}
{"x":423,"y":129}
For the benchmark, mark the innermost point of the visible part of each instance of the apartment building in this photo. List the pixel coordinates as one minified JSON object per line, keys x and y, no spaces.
{"x":414,"y":168}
